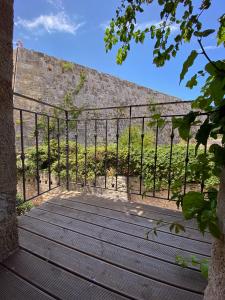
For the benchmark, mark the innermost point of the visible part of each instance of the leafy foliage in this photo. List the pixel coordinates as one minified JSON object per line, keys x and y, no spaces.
{"x":194,"y":261}
{"x":98,"y":161}
{"x":22,"y":206}
{"x":124,"y":29}
{"x":74,"y":111}
{"x":67,"y":66}
{"x":135,"y":137}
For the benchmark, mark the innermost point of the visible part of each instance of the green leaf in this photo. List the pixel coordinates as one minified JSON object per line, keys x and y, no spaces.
{"x":184,"y":124}
{"x":193,"y":202}
{"x":221,"y":31}
{"x":212,"y":195}
{"x":214,"y":230}
{"x":219,"y":154}
{"x":194,"y":260}
{"x":204,"y":33}
{"x":171,"y":227}
{"x":188,"y":63}
{"x":192,"y":82}
{"x":203,"y":133}
{"x":181,"y":261}
{"x":204,"y":267}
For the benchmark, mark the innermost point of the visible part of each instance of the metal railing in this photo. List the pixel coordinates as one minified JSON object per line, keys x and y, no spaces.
{"x":21,"y":147}
{"x":98,"y":131}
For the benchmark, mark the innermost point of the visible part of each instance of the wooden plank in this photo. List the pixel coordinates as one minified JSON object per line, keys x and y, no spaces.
{"x":107,"y":211}
{"x":126,"y":217}
{"x":92,"y":246}
{"x":56,"y":281}
{"x":92,"y":230}
{"x":13,"y":287}
{"x":108,"y":275}
{"x":122,"y":205}
{"x":138,"y":210}
{"x":150,"y":267}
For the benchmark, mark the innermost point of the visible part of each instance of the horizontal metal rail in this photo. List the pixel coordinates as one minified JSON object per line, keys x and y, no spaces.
{"x":71,"y":163}
{"x":38,"y":101}
{"x":136,"y":105}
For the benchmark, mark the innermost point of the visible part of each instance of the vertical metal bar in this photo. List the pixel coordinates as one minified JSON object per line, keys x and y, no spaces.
{"x":106,"y":150}
{"x":203,"y":181}
{"x":170,"y":163}
{"x":22,"y":155}
{"x":128,"y":155}
{"x":37,"y":154}
{"x":85,"y":153}
{"x":185,"y":166}
{"x":142,"y":152}
{"x":49,"y":154}
{"x":95,"y":136}
{"x":58,"y":151}
{"x":76,"y":138}
{"x":156,"y":154}
{"x":117,"y":152}
{"x":67,"y":150}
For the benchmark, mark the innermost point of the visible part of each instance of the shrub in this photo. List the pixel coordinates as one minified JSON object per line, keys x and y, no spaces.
{"x":21,"y":206}
{"x":100,"y":163}
{"x":135,"y":137}
{"x":67,"y":66}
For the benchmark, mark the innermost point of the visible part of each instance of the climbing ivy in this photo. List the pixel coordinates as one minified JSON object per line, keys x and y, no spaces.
{"x":68,"y":104}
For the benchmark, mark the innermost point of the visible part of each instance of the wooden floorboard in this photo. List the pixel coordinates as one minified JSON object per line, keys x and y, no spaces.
{"x":140,"y":264}
{"x":91,"y":245}
{"x":56,"y":281}
{"x":144,"y":211}
{"x":110,"y":276}
{"x":92,"y":248}
{"x":123,"y":205}
{"x":127,"y":217}
{"x":14,"y":287}
{"x":52,"y":214}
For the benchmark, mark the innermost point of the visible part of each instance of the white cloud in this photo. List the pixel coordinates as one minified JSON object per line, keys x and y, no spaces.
{"x":59,"y":22}
{"x":143,"y":25}
{"x":104,"y":25}
{"x":210,"y":47}
{"x":58,"y":4}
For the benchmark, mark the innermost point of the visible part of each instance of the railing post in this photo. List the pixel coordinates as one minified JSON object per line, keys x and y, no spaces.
{"x":22,"y":155}
{"x":37,"y":154}
{"x":67,"y":150}
{"x":128,"y":155}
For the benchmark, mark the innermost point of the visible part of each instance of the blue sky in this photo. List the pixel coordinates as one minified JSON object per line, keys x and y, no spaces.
{"x":74,"y":30}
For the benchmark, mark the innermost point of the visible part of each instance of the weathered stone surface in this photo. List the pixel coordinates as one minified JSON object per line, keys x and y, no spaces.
{"x":216,"y":286}
{"x":8,"y":236}
{"x":44,"y":77}
{"x":8,"y":228}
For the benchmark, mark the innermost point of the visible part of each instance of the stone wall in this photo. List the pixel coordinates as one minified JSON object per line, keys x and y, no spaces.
{"x":46,"y":78}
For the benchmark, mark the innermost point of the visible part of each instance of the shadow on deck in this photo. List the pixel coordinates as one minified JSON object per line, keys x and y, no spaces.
{"x":87,"y":247}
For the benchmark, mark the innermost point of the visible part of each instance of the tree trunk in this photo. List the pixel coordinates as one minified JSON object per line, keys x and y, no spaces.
{"x":216,"y":285}
{"x":8,"y":226}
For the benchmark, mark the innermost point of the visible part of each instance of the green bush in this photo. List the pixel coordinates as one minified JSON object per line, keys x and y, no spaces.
{"x":135,"y":137}
{"x":99,"y":161}
{"x":21,"y":206}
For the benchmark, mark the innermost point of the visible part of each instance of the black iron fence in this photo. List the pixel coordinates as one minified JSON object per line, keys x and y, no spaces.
{"x":128,"y":149}
{"x":30,"y":135}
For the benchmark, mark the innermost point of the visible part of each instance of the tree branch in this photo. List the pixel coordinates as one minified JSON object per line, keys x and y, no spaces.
{"x":207,"y":57}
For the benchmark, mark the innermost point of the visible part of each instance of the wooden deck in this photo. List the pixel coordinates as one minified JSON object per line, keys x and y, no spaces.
{"x":87,"y":247}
